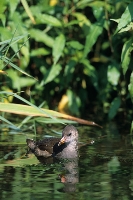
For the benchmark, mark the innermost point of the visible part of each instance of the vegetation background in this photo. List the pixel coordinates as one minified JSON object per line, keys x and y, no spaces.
{"x":79,"y":53}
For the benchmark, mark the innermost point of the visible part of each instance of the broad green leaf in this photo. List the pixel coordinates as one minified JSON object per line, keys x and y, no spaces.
{"x":98,"y":11}
{"x":126,"y":17}
{"x":13,"y":4}
{"x":114,"y":107}
{"x":113,"y":75}
{"x":52,"y":73}
{"x":40,"y":36}
{"x":130,"y":86}
{"x":126,"y":55}
{"x":40,"y":51}
{"x":58,"y":47}
{"x":48,"y":19}
{"x":95,"y":31}
{"x":75,"y":45}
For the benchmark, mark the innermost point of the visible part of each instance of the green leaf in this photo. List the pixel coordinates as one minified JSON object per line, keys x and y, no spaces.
{"x":114,"y":107}
{"x":40,"y":36}
{"x":91,"y":38}
{"x":19,"y":82}
{"x":71,"y":23}
{"x":13,"y":4}
{"x":82,"y":19}
{"x":3,"y":17}
{"x":127,"y":28}
{"x":113,"y":74}
{"x":130,"y":86}
{"x":40,"y":51}
{"x":52,"y":73}
{"x":6,"y":60}
{"x":125,"y":56}
{"x":48,"y":19}
{"x":75,"y":45}
{"x":74,"y":102}
{"x":126,"y":17}
{"x":58,"y":47}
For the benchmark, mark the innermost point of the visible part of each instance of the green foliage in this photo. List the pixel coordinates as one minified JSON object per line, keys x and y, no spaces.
{"x":114,"y":107}
{"x":76,"y":48}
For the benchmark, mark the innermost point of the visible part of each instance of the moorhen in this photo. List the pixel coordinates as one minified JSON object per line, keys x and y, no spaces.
{"x":66,"y":147}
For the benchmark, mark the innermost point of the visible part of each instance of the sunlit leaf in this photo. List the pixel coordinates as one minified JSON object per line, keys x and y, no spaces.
{"x":40,"y":36}
{"x":126,"y":54}
{"x":113,"y":74}
{"x":32,"y":110}
{"x":126,"y":17}
{"x":75,"y":45}
{"x":40,"y":51}
{"x":48,"y":19}
{"x":13,"y":4}
{"x":58,"y":47}
{"x":91,"y":38}
{"x":127,"y":28}
{"x":130,"y":86}
{"x":37,"y":109}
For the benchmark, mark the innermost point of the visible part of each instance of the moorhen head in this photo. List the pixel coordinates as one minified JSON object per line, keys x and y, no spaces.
{"x":66,"y":147}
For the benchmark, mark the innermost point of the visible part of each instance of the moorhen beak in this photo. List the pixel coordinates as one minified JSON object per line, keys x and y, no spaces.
{"x":66,"y":147}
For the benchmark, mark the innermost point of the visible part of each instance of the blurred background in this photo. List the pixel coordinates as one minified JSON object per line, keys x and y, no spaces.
{"x":79,"y":53}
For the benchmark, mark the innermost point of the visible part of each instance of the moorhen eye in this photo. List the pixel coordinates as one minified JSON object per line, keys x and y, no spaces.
{"x":69,"y":134}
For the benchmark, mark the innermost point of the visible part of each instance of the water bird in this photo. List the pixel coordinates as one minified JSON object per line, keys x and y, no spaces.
{"x":66,"y":147}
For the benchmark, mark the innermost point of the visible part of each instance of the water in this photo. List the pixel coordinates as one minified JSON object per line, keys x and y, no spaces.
{"x":104,"y":170}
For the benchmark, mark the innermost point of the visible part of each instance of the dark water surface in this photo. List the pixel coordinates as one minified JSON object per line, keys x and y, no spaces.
{"x":103,"y":171}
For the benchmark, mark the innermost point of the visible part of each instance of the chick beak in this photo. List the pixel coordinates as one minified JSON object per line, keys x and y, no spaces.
{"x":62,"y":141}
